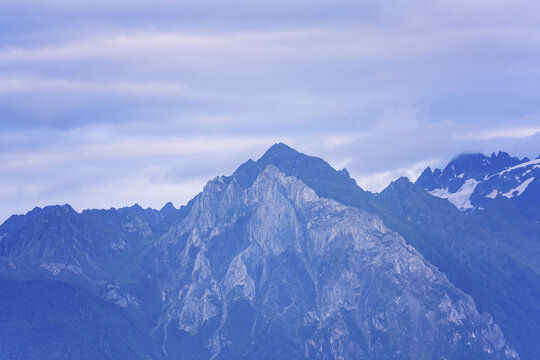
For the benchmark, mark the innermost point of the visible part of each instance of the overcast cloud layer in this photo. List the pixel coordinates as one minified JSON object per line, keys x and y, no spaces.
{"x":107,"y":103}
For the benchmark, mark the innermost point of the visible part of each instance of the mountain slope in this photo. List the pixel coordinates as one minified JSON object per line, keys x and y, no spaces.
{"x":274,"y":269}
{"x":99,"y":252}
{"x":500,"y":277}
{"x":87,"y":246}
{"x":46,"y":319}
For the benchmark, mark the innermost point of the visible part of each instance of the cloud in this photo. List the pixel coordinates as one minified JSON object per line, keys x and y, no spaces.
{"x":509,"y":132}
{"x":103,"y":166}
{"x":338,"y":73}
{"x":142,"y":101}
{"x":96,"y":167}
{"x":363,"y":42}
{"x":376,"y":182}
{"x":28,"y":85}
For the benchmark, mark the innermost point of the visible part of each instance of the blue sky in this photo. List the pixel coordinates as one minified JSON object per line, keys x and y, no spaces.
{"x":107,"y":103}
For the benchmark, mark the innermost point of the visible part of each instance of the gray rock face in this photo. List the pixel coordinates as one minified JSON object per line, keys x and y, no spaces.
{"x":275,"y":271}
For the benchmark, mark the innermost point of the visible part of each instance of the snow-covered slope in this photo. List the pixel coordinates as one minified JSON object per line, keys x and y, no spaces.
{"x":471,"y":181}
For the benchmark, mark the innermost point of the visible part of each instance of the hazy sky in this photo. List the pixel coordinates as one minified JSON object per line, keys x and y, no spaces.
{"x":108,"y":103}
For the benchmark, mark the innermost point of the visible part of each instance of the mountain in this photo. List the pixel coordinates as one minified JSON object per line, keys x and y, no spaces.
{"x":314,"y":172}
{"x":285,"y":258}
{"x":472,"y":181}
{"x":500,"y":268}
{"x":499,"y":271}
{"x":99,"y":251}
{"x":276,"y":271}
{"x":64,"y":243}
{"x":501,"y":195}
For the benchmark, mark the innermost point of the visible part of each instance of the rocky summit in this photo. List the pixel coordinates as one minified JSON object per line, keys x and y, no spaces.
{"x":287,"y":258}
{"x":472,"y":181}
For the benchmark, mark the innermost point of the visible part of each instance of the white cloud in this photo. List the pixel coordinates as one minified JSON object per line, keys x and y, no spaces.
{"x":362,"y":42}
{"x":101,"y":166}
{"x":12,"y":85}
{"x":376,"y":182}
{"x":142,"y":101}
{"x":505,"y":132}
{"x":117,"y":149}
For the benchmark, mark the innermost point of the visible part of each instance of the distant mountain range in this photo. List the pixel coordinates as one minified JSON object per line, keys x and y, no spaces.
{"x":287,"y":258}
{"x":472,"y":181}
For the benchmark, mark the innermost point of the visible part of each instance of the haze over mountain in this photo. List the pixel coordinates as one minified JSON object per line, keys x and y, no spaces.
{"x":286,"y":258}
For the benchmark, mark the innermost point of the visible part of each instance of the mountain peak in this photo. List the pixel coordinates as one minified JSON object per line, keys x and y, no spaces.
{"x":467,"y":162}
{"x":403,"y":184}
{"x":56,"y":209}
{"x":469,"y":155}
{"x":168,"y":207}
{"x":346,"y":173}
{"x":279,"y":150}
{"x":312,"y":171}
{"x":470,"y":181}
{"x":403,"y":180}
{"x":503,"y":155}
{"x":281,"y":146}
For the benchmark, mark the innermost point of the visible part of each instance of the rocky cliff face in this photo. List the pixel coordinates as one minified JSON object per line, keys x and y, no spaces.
{"x":274,"y":270}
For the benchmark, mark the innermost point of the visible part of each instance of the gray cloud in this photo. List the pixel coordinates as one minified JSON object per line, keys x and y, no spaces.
{"x":142,"y":101}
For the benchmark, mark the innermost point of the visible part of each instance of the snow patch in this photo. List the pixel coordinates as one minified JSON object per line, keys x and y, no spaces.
{"x":115,"y":295}
{"x":461,"y":198}
{"x":517,"y":191}
{"x":57,"y":268}
{"x":522,"y":165}
{"x":119,"y":245}
{"x":493,"y":194}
